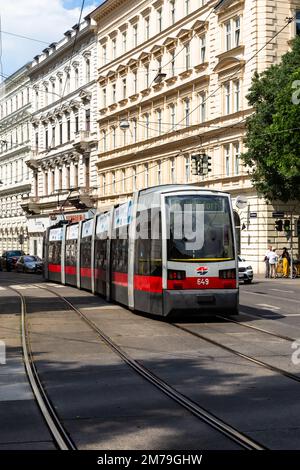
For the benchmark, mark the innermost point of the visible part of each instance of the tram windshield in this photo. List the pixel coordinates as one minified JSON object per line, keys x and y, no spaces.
{"x":199,"y":228}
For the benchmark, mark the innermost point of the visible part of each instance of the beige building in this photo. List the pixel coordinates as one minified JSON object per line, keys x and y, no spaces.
{"x":15,"y":148}
{"x":173,"y":77}
{"x":63,"y":132}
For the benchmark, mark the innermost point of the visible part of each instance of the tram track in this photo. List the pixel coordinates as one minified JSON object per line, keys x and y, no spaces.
{"x":59,"y":435}
{"x":194,"y":408}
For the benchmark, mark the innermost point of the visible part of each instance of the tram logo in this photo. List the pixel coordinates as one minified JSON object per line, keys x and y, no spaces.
{"x":202,"y":270}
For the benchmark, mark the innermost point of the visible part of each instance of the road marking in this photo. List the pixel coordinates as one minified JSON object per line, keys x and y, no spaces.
{"x":284,"y":299}
{"x":283,"y":290}
{"x":2,"y":288}
{"x":267,"y":307}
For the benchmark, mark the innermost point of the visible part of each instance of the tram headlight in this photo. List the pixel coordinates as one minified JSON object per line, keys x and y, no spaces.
{"x":176,"y":275}
{"x":227,"y":274}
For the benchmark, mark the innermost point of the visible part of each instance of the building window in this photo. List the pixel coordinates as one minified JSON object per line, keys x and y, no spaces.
{"x":228,"y":35}
{"x":187,"y":111}
{"x":60,"y":132}
{"x":76,"y":122}
{"x":159,"y":20}
{"x":68,"y":128}
{"x":159,"y":173}
{"x":68,"y":177}
{"x":114,"y":183}
{"x":172,"y":62}
{"x":104,"y":97}
{"x":124,"y":83}
{"x":123,"y":182}
{"x":113,"y":92}
{"x":147,"y":75}
{"x":104,"y":140}
{"x":173,"y":11}
{"x":173,"y":171}
{"x":46,"y":138}
{"x":173,"y":116}
{"x":237,"y":31}
{"x":147,"y":124}
{"x":76,"y":72}
{"x":227,"y":160}
{"x":135,"y":35}
{"x":134,"y":121}
{"x":187,"y":57}
{"x":114,"y":48}
{"x":135,"y":82}
{"x":187,"y":7}
{"x":202,"y":49}
{"x":187,"y":169}
{"x":46,"y":91}
{"x":227,"y":95}
{"x":104,"y":184}
{"x":146,"y":174}
{"x":124,"y":41}
{"x":159,"y":121}
{"x":88,"y":70}
{"x":236,"y":159}
{"x":147,"y":28}
{"x":104,"y":54}
{"x":202,"y":107}
{"x":68,"y":80}
{"x":88,"y":120}
{"x":114,"y":137}
{"x":134,"y":179}
{"x":237,"y":96}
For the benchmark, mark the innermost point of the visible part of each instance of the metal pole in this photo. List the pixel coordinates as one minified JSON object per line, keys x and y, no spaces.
{"x":291,"y":245}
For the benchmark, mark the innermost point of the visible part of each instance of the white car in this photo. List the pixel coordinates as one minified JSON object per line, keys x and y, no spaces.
{"x":245,"y":271}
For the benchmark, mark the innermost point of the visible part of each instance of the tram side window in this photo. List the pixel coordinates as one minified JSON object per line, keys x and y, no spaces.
{"x":55,"y":252}
{"x":71,"y":252}
{"x":86,"y":252}
{"x":148,"y":250}
{"x":101,"y":254}
{"x":120,"y":251}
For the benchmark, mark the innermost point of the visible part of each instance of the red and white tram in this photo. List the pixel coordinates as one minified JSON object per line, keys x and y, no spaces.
{"x":169,"y":249}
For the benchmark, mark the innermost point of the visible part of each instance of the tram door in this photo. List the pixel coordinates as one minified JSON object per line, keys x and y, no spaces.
{"x":71,"y":254}
{"x":86,"y":270}
{"x":101,"y":268}
{"x":54,"y":254}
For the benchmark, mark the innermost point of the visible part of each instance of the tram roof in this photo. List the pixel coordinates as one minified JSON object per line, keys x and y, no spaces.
{"x":177,"y":187}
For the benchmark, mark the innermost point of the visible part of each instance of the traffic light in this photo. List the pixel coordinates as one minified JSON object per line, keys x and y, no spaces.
{"x":195,"y":163}
{"x":278,"y":225}
{"x":287,"y":225}
{"x":206,"y":164}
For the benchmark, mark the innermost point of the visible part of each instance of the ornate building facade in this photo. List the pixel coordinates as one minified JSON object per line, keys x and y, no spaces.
{"x":173,"y":78}
{"x":15,"y":150}
{"x":64,"y":132}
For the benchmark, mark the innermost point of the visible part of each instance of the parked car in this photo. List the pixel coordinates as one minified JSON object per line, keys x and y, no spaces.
{"x":29,"y":264}
{"x":9,"y":259}
{"x":245,"y":271}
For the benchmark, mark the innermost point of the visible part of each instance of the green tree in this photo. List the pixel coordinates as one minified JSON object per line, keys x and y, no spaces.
{"x":273,"y":131}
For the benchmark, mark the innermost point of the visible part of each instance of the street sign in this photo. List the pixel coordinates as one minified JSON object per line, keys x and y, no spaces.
{"x":241,"y":202}
{"x":253,"y":215}
{"x":277,"y":215}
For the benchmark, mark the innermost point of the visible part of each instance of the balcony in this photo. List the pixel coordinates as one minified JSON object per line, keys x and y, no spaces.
{"x":83,"y":141}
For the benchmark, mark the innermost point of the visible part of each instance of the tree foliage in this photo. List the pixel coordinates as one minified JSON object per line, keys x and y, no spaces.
{"x":273,"y":131}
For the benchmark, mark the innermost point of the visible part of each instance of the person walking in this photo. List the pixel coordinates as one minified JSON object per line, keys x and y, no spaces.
{"x":273,"y":259}
{"x":286,"y":260}
{"x":266,"y":260}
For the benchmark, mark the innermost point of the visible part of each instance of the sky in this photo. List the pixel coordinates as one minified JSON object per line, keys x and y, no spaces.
{"x":39,"y":19}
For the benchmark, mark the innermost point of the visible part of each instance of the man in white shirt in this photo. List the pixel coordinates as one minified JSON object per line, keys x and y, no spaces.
{"x":273,"y":259}
{"x":266,"y":260}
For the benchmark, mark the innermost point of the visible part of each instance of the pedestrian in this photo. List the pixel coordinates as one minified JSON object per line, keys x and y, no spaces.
{"x":266,"y":260}
{"x":273,"y":259}
{"x":286,"y":260}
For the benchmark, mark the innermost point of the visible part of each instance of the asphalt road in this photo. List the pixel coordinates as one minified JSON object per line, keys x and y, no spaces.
{"x":104,"y":405}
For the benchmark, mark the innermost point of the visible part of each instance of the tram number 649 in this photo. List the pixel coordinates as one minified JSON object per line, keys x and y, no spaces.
{"x":203,"y":282}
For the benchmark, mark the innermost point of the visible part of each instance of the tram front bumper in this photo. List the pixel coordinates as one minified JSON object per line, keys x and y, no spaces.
{"x":201,"y":302}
